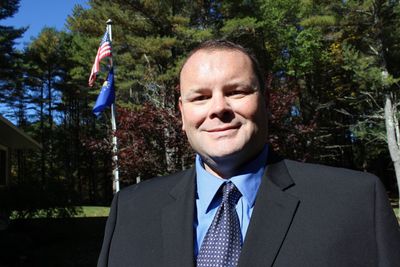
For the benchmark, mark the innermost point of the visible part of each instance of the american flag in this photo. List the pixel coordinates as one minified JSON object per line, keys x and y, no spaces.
{"x":103,"y":51}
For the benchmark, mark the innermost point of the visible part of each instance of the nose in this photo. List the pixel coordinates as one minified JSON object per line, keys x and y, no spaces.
{"x":220,"y":107}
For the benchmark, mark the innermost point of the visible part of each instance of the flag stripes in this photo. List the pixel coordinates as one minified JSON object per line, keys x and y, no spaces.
{"x":103,"y":52}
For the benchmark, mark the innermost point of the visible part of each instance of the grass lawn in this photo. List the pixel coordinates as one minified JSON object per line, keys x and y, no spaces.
{"x":394,"y":202}
{"x":81,"y":212}
{"x":93,"y":211}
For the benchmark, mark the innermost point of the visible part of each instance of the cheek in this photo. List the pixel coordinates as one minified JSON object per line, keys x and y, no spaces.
{"x":194,"y":116}
{"x":247,"y":109}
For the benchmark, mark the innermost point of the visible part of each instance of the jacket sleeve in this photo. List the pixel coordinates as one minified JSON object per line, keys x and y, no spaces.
{"x":109,"y":232}
{"x":386,"y":229}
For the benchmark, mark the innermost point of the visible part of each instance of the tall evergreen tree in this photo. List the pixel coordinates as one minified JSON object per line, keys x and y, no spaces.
{"x":8,"y":55}
{"x":45,"y":59}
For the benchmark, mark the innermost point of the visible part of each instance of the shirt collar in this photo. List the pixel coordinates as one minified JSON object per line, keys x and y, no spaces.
{"x":247,"y":180}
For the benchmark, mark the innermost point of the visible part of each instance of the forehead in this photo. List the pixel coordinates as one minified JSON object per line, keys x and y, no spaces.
{"x":216,"y":60}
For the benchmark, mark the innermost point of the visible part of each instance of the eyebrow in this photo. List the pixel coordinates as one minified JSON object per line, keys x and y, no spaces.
{"x":197,"y":90}
{"x":227,"y":85}
{"x":241,"y":84}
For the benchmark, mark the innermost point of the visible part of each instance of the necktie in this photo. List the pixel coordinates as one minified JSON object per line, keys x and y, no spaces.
{"x":222,"y":243}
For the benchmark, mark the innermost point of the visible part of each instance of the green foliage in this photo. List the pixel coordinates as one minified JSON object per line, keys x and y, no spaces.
{"x":247,"y":25}
{"x":366,"y":73}
{"x":306,"y":53}
{"x":9,"y":57}
{"x":322,"y":21}
{"x":371,"y":131}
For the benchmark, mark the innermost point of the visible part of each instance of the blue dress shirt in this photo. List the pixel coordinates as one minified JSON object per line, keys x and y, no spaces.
{"x":247,"y":180}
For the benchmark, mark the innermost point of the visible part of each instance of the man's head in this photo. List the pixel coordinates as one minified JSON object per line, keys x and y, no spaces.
{"x":223,"y":106}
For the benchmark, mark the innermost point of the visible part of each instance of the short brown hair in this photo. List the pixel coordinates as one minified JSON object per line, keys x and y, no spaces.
{"x":221,"y":44}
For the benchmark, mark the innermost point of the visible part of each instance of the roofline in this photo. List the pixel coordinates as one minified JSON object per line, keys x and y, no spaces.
{"x":19,"y":131}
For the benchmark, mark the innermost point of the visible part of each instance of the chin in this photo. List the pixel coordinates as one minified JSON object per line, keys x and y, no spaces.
{"x":225,"y":155}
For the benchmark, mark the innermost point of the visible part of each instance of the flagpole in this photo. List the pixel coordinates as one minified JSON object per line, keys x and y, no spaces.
{"x":114,"y":128}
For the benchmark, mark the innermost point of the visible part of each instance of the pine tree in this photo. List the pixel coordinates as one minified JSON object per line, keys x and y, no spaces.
{"x":8,"y":55}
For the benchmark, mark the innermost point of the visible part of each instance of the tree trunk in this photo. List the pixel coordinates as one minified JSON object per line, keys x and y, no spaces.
{"x":392,"y":132}
{"x":42,"y":138}
{"x":50,"y":133}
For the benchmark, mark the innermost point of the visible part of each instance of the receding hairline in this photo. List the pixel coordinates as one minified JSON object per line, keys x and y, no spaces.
{"x":222,"y":45}
{"x":210,"y":51}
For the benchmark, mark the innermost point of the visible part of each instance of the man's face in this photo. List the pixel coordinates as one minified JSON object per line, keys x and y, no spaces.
{"x":223,"y":112}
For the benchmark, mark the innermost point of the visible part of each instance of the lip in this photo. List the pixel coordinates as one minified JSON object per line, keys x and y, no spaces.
{"x":223,"y":129}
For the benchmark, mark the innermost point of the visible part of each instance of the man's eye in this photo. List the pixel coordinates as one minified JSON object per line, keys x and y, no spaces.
{"x":200,"y":98}
{"x":237,"y":93}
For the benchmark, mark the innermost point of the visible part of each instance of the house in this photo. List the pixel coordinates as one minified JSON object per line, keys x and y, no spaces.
{"x":11,"y":138}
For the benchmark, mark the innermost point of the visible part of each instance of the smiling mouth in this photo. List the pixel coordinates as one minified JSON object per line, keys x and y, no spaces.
{"x":223,"y":129}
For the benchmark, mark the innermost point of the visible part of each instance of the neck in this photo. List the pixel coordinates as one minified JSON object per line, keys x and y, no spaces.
{"x":219,"y":172}
{"x":227,"y":167}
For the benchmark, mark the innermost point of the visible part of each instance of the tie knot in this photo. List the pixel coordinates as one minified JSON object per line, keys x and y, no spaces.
{"x":230,"y":193}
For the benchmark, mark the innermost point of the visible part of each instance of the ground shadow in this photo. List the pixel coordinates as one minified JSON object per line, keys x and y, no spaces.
{"x":52,"y":242}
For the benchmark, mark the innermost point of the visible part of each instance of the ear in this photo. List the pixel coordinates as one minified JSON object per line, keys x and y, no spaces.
{"x":181,"y":110}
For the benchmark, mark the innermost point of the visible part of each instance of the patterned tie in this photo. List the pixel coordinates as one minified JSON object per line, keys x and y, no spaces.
{"x":222,"y":243}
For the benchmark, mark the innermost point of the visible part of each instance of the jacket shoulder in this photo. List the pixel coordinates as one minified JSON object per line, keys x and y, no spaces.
{"x":330,"y":176}
{"x":156,"y":186}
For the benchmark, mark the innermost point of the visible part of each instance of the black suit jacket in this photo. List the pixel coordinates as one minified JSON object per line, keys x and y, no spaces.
{"x":304,"y":215}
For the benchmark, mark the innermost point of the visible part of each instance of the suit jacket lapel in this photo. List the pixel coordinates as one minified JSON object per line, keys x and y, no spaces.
{"x":177,"y":223}
{"x":272,"y":215}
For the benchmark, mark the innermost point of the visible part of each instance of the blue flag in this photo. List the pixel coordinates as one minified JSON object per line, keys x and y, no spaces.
{"x":107,"y":94}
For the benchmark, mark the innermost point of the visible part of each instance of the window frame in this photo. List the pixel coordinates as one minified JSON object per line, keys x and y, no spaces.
{"x":5,"y":149}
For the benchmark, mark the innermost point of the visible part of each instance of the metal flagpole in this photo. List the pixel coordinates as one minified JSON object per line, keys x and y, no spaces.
{"x":113,"y":127}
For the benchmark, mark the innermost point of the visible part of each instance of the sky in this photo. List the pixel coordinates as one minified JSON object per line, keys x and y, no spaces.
{"x":40,"y":13}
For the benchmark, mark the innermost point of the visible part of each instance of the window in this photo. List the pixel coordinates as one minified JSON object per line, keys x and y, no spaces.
{"x":3,"y":167}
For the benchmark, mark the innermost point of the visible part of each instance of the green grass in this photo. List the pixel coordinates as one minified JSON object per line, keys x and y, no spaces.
{"x":94,"y":211}
{"x":397,"y":212}
{"x":80,"y":212}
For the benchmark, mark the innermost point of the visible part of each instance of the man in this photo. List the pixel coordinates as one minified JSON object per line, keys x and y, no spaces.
{"x":241,"y":205}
